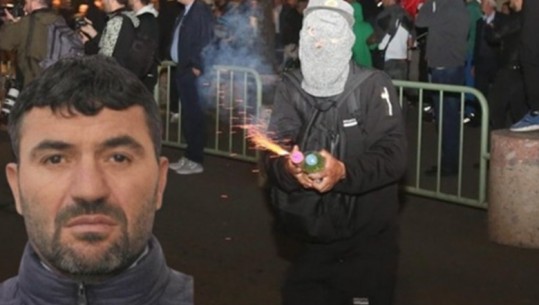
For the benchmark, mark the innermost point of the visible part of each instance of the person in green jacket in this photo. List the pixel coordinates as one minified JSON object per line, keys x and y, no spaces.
{"x":15,"y":36}
{"x":475,"y":13}
{"x":361,"y":53}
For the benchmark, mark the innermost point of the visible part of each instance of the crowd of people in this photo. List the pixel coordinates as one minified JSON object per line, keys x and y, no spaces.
{"x":386,"y":32}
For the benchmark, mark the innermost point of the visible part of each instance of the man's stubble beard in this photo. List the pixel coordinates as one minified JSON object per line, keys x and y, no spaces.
{"x":94,"y":267}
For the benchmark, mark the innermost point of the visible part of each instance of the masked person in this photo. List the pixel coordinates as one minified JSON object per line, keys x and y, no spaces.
{"x":344,"y":214}
{"x":88,"y":181}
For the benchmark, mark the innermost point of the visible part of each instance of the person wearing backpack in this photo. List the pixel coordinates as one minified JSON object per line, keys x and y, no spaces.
{"x":117,"y":37}
{"x":345,"y":215}
{"x":149,"y":27}
{"x":17,"y":33}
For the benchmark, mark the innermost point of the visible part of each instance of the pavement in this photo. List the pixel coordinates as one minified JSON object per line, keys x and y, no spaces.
{"x":217,"y":226}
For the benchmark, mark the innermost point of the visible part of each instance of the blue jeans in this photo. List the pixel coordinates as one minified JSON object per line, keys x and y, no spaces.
{"x":469,"y":80}
{"x":451,"y":115}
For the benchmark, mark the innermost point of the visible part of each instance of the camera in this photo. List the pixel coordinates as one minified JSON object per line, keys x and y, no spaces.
{"x":7,"y":105}
{"x":80,"y":22}
{"x":16,"y":9}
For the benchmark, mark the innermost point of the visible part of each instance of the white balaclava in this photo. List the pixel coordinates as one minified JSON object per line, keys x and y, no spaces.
{"x":325,"y":46}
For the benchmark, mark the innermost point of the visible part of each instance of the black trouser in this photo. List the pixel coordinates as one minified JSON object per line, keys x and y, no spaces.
{"x":193,"y":114}
{"x":397,"y":68}
{"x":484,"y":77}
{"x":338,"y":273}
{"x":529,"y":52}
{"x":507,"y":99}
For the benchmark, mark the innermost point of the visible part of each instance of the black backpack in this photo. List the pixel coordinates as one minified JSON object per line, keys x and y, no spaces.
{"x":143,"y":51}
{"x":307,"y":214}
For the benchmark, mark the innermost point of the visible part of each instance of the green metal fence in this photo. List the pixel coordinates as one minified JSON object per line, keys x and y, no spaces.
{"x":235,"y":95}
{"x":468,"y":187}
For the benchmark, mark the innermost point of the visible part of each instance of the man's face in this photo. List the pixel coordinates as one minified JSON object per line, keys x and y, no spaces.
{"x":486,"y":7}
{"x":516,"y":5}
{"x":88,"y":188}
{"x":387,"y":3}
{"x":107,"y":5}
{"x":28,"y":6}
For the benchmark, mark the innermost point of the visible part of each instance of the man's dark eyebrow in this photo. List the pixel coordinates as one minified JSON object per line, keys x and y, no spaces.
{"x":50,"y":145}
{"x":120,"y":141}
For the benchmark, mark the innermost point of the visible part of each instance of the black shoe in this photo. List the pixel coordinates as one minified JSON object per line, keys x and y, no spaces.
{"x":433,"y":172}
{"x":472,"y":120}
{"x":468,"y":118}
{"x":428,"y":114}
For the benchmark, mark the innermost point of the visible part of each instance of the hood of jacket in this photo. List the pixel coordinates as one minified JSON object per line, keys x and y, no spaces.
{"x":126,"y":12}
{"x":148,"y":9}
{"x":358,"y":12}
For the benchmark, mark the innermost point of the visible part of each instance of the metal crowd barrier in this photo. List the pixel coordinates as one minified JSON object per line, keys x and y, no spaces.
{"x":235,"y":99}
{"x":469,"y":185}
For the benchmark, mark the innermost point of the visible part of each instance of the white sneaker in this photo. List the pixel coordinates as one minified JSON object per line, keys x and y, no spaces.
{"x":177,"y":165}
{"x":190,"y":167}
{"x":174,"y":117}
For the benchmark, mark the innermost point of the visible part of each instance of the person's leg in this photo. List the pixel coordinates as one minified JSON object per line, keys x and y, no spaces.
{"x":529,"y":52}
{"x":192,"y":116}
{"x":367,"y":270}
{"x":306,"y":281}
{"x":517,"y":99}
{"x":499,"y":98}
{"x":529,"y":58}
{"x":173,"y":92}
{"x":451,"y":117}
{"x":469,"y":81}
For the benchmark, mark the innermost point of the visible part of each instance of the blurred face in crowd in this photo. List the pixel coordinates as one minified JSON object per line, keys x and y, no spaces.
{"x":516,"y":5}
{"x":88,"y":188}
{"x":31,"y":5}
{"x":486,"y":7}
{"x":388,"y":2}
{"x":107,"y":5}
{"x":292,"y":3}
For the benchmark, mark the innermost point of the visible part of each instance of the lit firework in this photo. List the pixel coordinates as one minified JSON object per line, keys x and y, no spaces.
{"x":261,"y":140}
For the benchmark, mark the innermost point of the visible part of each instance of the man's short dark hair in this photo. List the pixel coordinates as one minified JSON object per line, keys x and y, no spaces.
{"x":123,"y":2}
{"x":85,"y":85}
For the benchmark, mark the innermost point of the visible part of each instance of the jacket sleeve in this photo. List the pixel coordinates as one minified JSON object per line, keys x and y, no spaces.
{"x":10,"y":36}
{"x":284,"y":127}
{"x":91,"y":47}
{"x":384,"y":158}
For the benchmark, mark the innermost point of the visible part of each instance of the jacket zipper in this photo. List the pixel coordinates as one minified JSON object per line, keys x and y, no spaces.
{"x":81,"y":300}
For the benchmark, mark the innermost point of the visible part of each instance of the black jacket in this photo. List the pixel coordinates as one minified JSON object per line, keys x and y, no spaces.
{"x":115,"y":41}
{"x":195,"y":33}
{"x":375,"y":149}
{"x":486,"y":53}
{"x":149,"y":282}
{"x":506,"y":32}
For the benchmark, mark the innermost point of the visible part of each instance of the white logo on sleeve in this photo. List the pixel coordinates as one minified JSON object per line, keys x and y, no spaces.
{"x":385,"y":96}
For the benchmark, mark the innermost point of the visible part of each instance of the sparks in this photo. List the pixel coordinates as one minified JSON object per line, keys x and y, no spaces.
{"x":262,"y":141}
